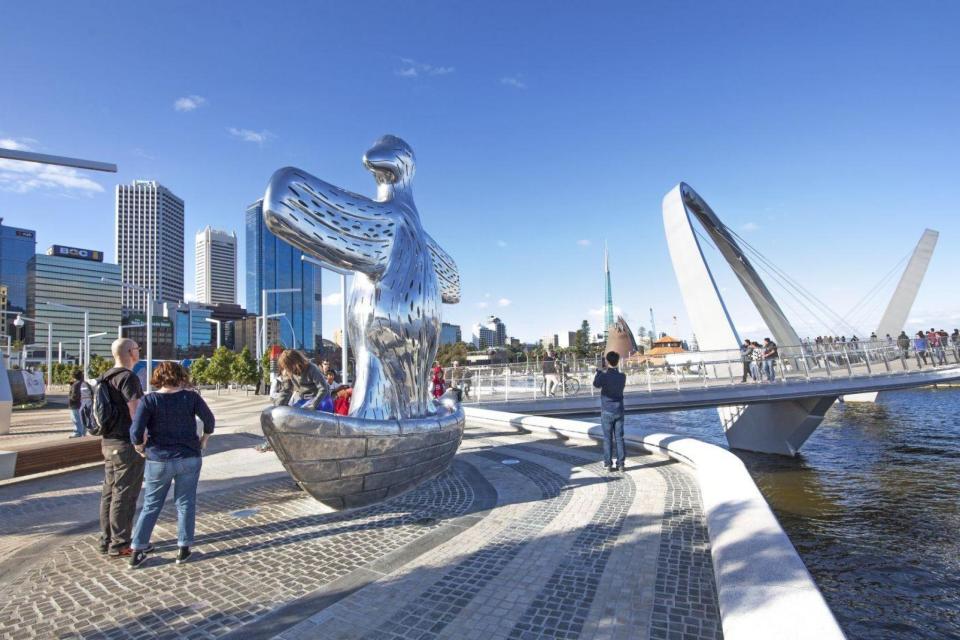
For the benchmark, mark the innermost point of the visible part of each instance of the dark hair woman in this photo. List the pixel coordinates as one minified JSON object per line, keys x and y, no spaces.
{"x":164,"y":430}
{"x":302,"y":384}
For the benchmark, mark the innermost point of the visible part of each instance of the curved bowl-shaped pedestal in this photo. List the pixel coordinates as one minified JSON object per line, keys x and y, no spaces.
{"x":349,"y":462}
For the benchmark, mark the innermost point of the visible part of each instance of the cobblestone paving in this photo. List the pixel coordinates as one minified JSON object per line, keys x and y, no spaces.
{"x":685,"y":604}
{"x":428,"y":614}
{"x":568,"y":551}
{"x":257,"y":550}
{"x":561,"y":607}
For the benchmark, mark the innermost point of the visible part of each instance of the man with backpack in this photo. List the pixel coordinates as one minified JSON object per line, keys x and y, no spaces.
{"x":118,"y":393}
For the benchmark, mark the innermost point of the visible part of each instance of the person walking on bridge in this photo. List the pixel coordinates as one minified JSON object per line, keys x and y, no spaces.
{"x":746,"y":357}
{"x":920,"y":347}
{"x":550,"y":379}
{"x":770,"y":356}
{"x":611,"y":381}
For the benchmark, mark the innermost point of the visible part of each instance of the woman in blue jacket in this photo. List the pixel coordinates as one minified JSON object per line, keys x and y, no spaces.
{"x":164,"y":430}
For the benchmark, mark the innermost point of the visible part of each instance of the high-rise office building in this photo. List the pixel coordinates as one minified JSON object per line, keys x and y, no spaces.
{"x":450,"y":333}
{"x":17,"y":247}
{"x":149,"y":226}
{"x":216,"y":261}
{"x":271,"y":263}
{"x":77,"y":278}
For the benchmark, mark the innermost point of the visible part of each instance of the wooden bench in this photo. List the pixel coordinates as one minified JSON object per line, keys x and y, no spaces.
{"x":49,"y":456}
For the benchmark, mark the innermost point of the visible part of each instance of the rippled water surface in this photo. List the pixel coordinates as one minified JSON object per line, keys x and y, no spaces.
{"x":872,"y":505}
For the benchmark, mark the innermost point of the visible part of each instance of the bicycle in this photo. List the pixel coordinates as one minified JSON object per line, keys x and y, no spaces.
{"x":567,"y":386}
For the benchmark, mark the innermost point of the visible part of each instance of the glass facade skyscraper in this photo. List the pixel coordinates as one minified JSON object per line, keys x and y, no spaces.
{"x":75,"y":282}
{"x":271,"y":263}
{"x":17,"y":246}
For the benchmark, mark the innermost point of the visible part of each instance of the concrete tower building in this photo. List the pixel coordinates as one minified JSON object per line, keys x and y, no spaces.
{"x":149,"y":242}
{"x":608,"y":297}
{"x":216,"y":261}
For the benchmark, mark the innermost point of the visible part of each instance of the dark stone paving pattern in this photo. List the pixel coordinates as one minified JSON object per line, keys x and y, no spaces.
{"x":561,"y":608}
{"x":257,"y":549}
{"x":427,"y":615}
{"x":685,"y":601}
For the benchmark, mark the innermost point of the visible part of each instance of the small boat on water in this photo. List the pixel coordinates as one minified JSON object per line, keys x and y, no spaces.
{"x":347,"y":462}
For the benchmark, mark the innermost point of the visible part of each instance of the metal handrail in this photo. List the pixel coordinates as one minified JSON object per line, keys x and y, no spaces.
{"x":703,"y":369}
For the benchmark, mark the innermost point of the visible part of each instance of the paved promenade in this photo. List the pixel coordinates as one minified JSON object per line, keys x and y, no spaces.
{"x":523,"y":538}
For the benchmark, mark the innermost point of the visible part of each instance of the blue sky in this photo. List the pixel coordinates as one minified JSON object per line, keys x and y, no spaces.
{"x":827,"y":134}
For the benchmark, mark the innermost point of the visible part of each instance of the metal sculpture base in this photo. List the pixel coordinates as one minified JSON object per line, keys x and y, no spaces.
{"x":349,"y":462}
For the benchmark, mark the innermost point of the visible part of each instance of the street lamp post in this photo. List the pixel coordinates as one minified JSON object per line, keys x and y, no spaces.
{"x":219,"y":324}
{"x":148,"y":310}
{"x":18,"y":322}
{"x":263,"y":315}
{"x":343,"y":309}
{"x":85,"y":356}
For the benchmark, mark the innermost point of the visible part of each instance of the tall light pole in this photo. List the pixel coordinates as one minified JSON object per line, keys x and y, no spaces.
{"x":18,"y":322}
{"x":343,"y":309}
{"x":219,"y":324}
{"x":263,"y":315}
{"x":85,"y":356}
{"x":148,"y":311}
{"x":121,"y":327}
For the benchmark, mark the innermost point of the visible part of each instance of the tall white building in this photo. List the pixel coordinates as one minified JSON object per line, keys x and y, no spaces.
{"x":216,"y":274}
{"x":150,"y":241}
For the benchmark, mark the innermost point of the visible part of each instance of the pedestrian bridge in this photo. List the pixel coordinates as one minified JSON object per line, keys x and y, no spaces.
{"x":808,"y":381}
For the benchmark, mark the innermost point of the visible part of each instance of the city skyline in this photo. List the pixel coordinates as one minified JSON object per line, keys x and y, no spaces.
{"x":815,"y":180}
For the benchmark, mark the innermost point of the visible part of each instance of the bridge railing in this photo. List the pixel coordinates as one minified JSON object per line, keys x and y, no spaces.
{"x":698,"y":369}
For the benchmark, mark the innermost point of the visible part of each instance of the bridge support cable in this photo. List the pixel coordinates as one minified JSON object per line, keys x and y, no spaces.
{"x":791,"y":308}
{"x":774,"y":271}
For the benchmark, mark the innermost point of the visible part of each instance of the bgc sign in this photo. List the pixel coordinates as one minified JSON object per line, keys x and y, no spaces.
{"x":73,"y":252}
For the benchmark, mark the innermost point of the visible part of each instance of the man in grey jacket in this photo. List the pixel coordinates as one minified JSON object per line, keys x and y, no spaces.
{"x":611,"y":381}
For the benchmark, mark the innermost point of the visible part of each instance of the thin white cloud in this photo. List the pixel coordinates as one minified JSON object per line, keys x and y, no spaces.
{"x":513,"y":81}
{"x":189,"y":103}
{"x":482,"y":305}
{"x":584,"y":242}
{"x":22,"y":177}
{"x":598,"y":313}
{"x":413,"y":69}
{"x":504,"y":302}
{"x":333,"y":299}
{"x":750,"y":226}
{"x":501,"y":243}
{"x":249,"y":135}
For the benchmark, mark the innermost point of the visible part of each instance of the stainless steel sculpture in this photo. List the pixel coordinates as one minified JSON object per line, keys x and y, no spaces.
{"x":396,"y":436}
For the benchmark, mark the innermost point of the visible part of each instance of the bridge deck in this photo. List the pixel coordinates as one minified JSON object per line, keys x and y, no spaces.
{"x":707,"y":390}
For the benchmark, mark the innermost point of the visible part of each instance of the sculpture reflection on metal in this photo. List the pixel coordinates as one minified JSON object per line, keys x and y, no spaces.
{"x":395,"y":436}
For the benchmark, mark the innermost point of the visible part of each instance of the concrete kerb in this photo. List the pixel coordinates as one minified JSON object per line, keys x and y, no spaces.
{"x":763,"y":587}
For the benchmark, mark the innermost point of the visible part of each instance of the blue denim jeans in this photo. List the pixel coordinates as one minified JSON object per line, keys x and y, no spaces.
{"x":77,"y":425}
{"x":612,"y":424}
{"x":770,"y":369}
{"x":184,"y":473}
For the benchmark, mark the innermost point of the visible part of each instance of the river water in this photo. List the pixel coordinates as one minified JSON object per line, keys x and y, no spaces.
{"x":872,"y":504}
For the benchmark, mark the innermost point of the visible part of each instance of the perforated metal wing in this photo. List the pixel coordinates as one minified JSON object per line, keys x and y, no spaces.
{"x":448,"y":276}
{"x":344,"y":229}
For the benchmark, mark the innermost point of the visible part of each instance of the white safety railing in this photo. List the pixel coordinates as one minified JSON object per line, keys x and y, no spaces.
{"x":699,"y":369}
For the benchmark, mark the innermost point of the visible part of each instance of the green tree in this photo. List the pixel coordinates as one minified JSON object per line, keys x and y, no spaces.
{"x":582,"y":343}
{"x":245,"y":370}
{"x":447,"y":353}
{"x":265,"y":370}
{"x":198,"y":370}
{"x":99,"y":366}
{"x":220,"y":368}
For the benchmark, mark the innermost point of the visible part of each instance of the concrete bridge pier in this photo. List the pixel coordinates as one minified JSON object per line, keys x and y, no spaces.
{"x":775,"y":427}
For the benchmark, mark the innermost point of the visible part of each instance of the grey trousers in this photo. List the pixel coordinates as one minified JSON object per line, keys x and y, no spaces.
{"x":122,"y":479}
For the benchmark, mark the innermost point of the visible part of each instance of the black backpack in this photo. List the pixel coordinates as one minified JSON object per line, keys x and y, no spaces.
{"x":104,"y":414}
